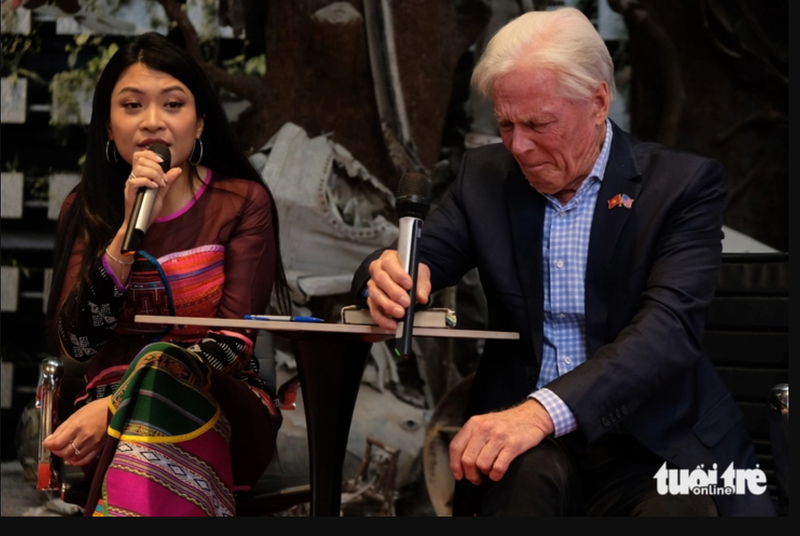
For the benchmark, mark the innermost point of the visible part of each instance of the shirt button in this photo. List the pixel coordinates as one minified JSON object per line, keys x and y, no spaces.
{"x":562,"y":316}
{"x":559,"y":264}
{"x":562,"y":214}
{"x":567,"y":360}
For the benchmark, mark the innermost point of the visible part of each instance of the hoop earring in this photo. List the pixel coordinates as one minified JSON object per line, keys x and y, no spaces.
{"x":114,"y":151}
{"x":192,"y":154}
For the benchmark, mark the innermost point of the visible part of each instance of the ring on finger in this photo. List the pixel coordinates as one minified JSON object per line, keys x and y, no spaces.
{"x":131,"y":176}
{"x":76,"y":449}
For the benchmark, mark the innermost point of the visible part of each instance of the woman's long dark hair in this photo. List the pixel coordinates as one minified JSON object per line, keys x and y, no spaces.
{"x":98,"y":209}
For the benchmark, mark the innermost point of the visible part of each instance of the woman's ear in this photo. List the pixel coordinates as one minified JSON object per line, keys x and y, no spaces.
{"x":200,"y":122}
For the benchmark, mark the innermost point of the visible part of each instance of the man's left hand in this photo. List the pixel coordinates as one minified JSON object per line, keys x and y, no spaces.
{"x":488,"y":443}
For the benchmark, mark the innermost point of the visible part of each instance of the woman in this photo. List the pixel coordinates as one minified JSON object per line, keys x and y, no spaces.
{"x":173,"y":419}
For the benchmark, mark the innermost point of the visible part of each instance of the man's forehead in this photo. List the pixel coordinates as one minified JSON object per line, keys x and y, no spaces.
{"x":523,"y":115}
{"x":524,"y":107}
{"x":526,"y":85}
{"x":535,"y":104}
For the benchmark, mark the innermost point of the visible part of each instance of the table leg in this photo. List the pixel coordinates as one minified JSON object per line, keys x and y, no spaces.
{"x":330,"y":375}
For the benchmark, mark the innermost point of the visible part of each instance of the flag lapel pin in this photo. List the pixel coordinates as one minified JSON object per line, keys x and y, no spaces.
{"x":620,"y":200}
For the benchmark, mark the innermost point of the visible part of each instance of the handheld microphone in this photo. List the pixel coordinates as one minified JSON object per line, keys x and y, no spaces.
{"x":413,"y":203}
{"x":143,"y":206}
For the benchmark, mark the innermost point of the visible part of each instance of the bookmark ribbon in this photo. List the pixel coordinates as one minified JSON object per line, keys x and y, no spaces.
{"x":620,"y":200}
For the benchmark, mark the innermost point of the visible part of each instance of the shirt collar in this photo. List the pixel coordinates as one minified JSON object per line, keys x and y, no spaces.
{"x":599,"y":168}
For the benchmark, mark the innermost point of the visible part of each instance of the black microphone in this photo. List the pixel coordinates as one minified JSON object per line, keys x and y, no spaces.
{"x":413,"y":202}
{"x":143,"y":206}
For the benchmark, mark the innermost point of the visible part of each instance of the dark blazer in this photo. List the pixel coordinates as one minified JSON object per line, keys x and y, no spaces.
{"x":650,"y":275}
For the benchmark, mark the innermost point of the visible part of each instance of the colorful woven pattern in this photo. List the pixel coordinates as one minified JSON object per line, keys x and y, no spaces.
{"x":173,"y":457}
{"x":195,"y":277}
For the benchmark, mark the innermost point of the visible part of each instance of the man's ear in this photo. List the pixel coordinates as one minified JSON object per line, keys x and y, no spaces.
{"x":602,"y":102}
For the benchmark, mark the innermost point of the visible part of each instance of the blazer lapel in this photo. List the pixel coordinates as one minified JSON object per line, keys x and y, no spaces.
{"x":526,"y":219}
{"x":621,"y":177}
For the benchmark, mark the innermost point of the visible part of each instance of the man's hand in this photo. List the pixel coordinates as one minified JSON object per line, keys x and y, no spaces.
{"x":488,"y":443}
{"x":388,"y":288}
{"x":80,"y":438}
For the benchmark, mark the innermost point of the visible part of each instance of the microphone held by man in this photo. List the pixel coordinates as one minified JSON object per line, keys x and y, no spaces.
{"x":413,"y":203}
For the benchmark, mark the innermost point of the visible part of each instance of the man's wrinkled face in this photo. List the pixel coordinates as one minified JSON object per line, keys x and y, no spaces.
{"x":554,"y":139}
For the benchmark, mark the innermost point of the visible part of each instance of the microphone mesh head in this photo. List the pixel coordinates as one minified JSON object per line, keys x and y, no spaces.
{"x":413,"y":195}
{"x":163,"y":151}
{"x":414,"y":184}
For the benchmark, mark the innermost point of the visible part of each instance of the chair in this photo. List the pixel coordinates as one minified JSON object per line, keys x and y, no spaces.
{"x":272,"y":493}
{"x":747,"y":339}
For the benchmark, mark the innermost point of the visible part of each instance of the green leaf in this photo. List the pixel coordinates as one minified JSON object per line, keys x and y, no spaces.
{"x":82,"y":39}
{"x":30,"y":74}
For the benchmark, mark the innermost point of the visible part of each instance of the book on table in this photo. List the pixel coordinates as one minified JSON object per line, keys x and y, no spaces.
{"x":435,"y":317}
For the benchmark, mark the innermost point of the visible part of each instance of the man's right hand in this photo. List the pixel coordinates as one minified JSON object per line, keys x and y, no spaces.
{"x":388,"y":288}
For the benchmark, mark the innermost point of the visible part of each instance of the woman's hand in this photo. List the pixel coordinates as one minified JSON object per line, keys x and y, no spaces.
{"x":80,"y":439}
{"x":146,"y":172}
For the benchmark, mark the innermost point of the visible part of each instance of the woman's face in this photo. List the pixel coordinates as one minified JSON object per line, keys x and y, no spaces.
{"x":148,"y":107}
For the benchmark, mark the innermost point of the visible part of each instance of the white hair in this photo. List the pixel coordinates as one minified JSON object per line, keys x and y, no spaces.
{"x":562,"y":40}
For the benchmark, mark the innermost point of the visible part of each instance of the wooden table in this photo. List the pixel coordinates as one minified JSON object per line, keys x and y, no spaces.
{"x":330,"y":363}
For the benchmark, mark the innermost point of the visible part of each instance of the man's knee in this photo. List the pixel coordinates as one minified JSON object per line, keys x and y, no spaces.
{"x":542,"y":481}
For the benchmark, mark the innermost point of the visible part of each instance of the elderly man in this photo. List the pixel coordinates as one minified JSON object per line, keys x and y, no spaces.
{"x":602,"y":252}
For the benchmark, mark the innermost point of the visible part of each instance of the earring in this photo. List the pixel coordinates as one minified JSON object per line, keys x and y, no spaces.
{"x":196,"y":162}
{"x":113,"y":150}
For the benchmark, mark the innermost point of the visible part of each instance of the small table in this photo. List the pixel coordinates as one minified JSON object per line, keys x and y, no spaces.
{"x":330,"y":363}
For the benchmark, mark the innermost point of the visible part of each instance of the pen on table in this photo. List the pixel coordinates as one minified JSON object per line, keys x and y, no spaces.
{"x":280,"y":318}
{"x":277,"y":318}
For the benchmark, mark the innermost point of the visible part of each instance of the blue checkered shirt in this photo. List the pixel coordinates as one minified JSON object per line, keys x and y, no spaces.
{"x":565,"y":245}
